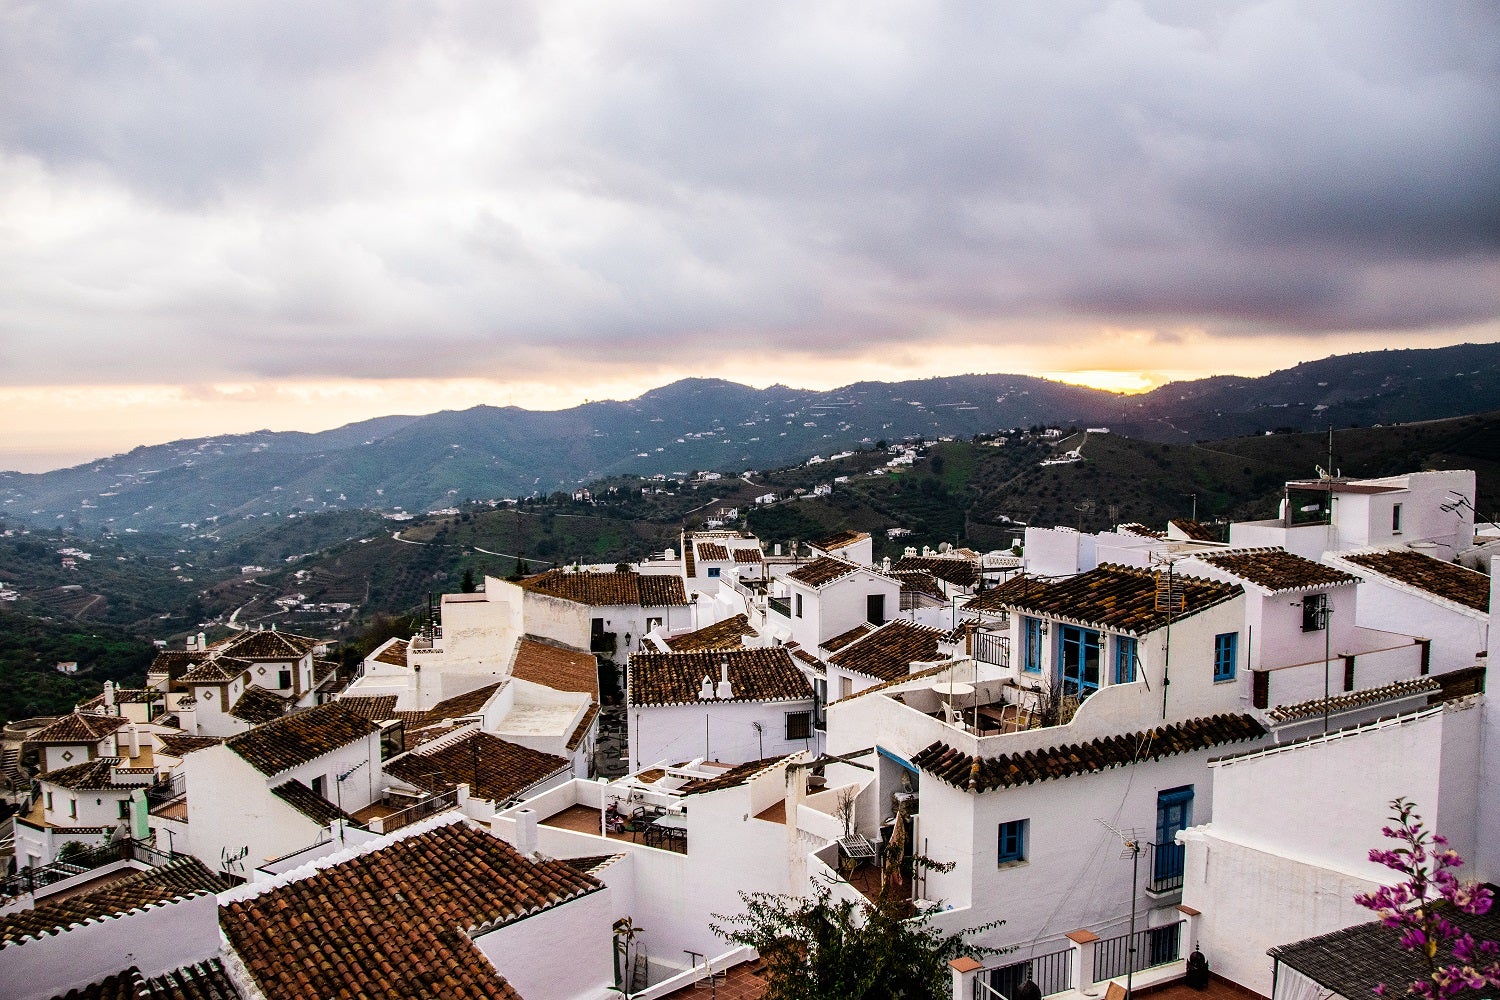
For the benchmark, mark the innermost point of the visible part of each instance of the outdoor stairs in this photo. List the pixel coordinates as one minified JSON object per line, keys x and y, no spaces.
{"x":10,"y":766}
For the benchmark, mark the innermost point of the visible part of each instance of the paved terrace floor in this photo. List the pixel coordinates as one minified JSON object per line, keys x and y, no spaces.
{"x":585,"y":819}
{"x":742,"y":983}
{"x":1217,"y":989}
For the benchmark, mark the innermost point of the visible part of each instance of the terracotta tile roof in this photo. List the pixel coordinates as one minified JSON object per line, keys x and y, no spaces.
{"x":843,"y":639}
{"x":300,"y":737}
{"x":268,"y":645}
{"x":78,"y":728}
{"x":376,"y":708}
{"x":727,"y":634}
{"x":1449,"y":581}
{"x":888,"y":652}
{"x":1196,"y":530}
{"x":802,"y":655}
{"x":1121,"y":598}
{"x":183,"y":876}
{"x":748,"y":555}
{"x":1136,"y":528}
{"x":258,"y":706}
{"x":322,"y":671}
{"x":592,"y":863}
{"x":712,"y":552}
{"x":463,"y":705}
{"x":308,"y":802}
{"x":980,"y":774}
{"x":219,"y":670}
{"x":175,"y":662}
{"x":422,"y":735}
{"x":996,"y":599}
{"x":91,"y":775}
{"x":915,"y":582}
{"x":555,"y":666}
{"x":203,"y":981}
{"x":395,"y":653}
{"x":839,"y":539}
{"x":581,"y":731}
{"x":823,"y":571}
{"x":735,"y":776}
{"x":1278,"y":570}
{"x":1341,"y":486}
{"x":964,"y":572}
{"x":754,"y":675}
{"x":1351,"y":962}
{"x":397,"y":921}
{"x":505,"y":769}
{"x":123,"y":696}
{"x":609,"y":589}
{"x":1356,"y":699}
{"x":179,"y":745}
{"x":659,"y":591}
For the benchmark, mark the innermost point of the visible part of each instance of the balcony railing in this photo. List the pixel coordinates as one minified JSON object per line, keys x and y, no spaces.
{"x":1149,"y":948}
{"x":992,"y":648}
{"x":1052,"y":973}
{"x":1167,"y":866}
{"x":780,"y":606}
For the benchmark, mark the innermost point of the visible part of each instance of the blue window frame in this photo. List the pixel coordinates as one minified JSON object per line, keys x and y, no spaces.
{"x":1031,"y":645}
{"x":1078,"y":653}
{"x":1012,"y":842}
{"x":713,"y":572}
{"x":1125,"y":656}
{"x":1226,"y":650}
{"x":1174,"y":812}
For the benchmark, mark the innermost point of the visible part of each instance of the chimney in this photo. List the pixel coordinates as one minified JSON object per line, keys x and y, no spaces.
{"x":135,"y":742}
{"x":109,"y":697}
{"x":706,"y":692}
{"x":202,"y":642}
{"x":885,"y":565}
{"x":725,"y":690}
{"x":190,"y":644}
{"x":526,"y":832}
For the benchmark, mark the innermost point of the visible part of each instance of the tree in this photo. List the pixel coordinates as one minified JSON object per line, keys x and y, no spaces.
{"x":468,"y":585}
{"x":1420,"y":907}
{"x":822,"y":948}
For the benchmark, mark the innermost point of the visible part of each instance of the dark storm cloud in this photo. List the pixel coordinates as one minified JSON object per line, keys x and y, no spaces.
{"x":380,"y":190}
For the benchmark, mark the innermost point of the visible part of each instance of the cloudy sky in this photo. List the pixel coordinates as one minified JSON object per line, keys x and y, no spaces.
{"x":222,"y":217}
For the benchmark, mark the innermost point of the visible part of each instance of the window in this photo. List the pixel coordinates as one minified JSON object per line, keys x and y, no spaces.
{"x":124,"y":808}
{"x":318,"y":785}
{"x":1314,"y":612}
{"x":1012,"y":842}
{"x":799,"y":725}
{"x":284,"y":679}
{"x":1174,"y":812}
{"x":713,"y":572}
{"x":1031,"y":645}
{"x":1125,"y":647}
{"x":797,"y":605}
{"x":875,"y":609}
{"x":49,"y":801}
{"x":1396,"y":519}
{"x":73,"y":808}
{"x":653,"y":623}
{"x":846,"y":686}
{"x":1078,"y":651}
{"x":1226,"y":650}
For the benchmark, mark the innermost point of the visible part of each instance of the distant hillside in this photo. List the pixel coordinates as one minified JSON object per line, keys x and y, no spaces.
{"x":216,"y":485}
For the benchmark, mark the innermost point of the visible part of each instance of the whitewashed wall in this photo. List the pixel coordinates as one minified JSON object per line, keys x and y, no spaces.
{"x":562,"y":952}
{"x":716,"y":730}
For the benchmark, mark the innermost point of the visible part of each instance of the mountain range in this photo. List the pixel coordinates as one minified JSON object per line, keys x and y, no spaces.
{"x":417,"y":463}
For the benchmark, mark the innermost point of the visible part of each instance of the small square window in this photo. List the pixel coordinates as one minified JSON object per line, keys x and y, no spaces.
{"x":799,"y":725}
{"x":1012,"y":842}
{"x":713,"y":572}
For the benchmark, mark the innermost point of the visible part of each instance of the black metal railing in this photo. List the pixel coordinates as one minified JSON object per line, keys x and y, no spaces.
{"x":77,"y":862}
{"x":1153,"y":946}
{"x":1167,"y":866}
{"x":992,"y":648}
{"x":1052,"y":973}
{"x":781,"y":607}
{"x":166,"y":791}
{"x":427,"y":807}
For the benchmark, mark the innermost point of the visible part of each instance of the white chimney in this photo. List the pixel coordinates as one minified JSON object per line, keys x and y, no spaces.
{"x":926,"y":550}
{"x":706,"y":692}
{"x":135,"y":742}
{"x":202,"y":642}
{"x":109,"y":696}
{"x":776,"y":549}
{"x":526,"y":832}
{"x":911,"y":551}
{"x":725,"y":690}
{"x":885,"y":565}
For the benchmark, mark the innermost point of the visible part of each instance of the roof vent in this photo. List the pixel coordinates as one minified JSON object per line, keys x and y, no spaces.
{"x":706,"y":692}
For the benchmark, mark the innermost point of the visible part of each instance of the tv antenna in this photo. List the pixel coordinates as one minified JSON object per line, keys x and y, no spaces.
{"x":1130,"y":841}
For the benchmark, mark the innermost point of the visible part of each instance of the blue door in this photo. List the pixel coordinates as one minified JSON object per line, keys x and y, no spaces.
{"x":1174,"y":811}
{"x":1078,"y":654}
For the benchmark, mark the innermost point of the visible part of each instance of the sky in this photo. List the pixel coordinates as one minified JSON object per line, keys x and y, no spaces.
{"x":223,"y":217}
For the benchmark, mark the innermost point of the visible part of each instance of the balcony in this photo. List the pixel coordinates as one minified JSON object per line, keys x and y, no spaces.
{"x":780,"y":606}
{"x":1166,"y":867}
